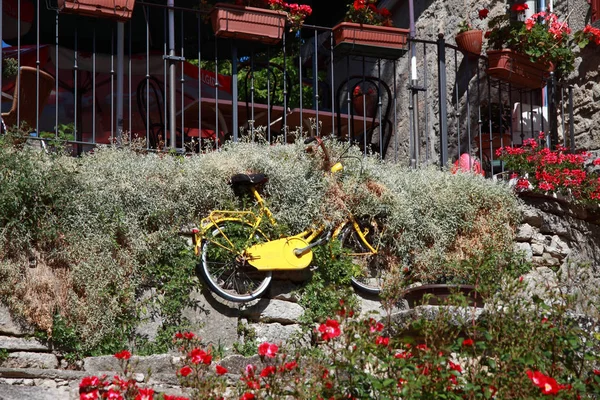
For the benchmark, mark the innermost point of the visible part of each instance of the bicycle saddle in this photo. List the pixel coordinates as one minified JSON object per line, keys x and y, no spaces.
{"x":248,"y":179}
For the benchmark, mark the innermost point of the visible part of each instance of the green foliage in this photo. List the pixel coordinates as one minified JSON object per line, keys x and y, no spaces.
{"x":3,"y":355}
{"x":247,"y":346}
{"x":329,"y":283}
{"x":9,"y":67}
{"x":104,"y":227}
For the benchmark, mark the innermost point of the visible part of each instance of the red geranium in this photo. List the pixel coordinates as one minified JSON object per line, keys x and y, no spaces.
{"x":330,"y":329}
{"x":123,"y":355}
{"x":366,"y":12}
{"x":267,"y":350}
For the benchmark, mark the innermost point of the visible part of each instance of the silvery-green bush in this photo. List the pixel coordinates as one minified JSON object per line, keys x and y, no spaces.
{"x":102,"y":220}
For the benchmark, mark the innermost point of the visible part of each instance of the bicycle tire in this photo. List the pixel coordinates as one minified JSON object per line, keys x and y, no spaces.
{"x":223,"y":266}
{"x":372,"y":272}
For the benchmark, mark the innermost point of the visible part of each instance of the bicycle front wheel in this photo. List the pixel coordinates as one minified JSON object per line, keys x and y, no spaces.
{"x":225,"y":267}
{"x":371,"y":270}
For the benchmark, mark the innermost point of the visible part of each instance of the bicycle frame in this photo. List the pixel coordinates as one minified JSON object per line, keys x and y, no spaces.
{"x":286,"y":253}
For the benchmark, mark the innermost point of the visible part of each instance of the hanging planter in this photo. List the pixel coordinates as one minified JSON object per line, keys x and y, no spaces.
{"x":439,"y":294}
{"x":470,"y":41}
{"x":370,"y":40}
{"x":517,"y":69}
{"x":248,"y":23}
{"x":119,"y":10}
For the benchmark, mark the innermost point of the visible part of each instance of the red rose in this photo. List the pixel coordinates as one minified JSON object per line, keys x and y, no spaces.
{"x":483,"y":13}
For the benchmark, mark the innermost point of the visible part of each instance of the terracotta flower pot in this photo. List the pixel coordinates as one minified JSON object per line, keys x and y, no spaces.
{"x":470,"y":41}
{"x":119,"y":10}
{"x":517,"y":69}
{"x":248,"y":23}
{"x":370,"y":40}
{"x":440,"y":293}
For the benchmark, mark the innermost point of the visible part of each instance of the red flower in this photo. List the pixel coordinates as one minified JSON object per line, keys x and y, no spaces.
{"x":112,"y":395}
{"x":454,"y":367}
{"x":247,"y":396}
{"x":382,"y":340}
{"x":483,"y":13}
{"x":378,"y":327}
{"x":185,"y":370}
{"x":198,"y":356}
{"x":359,"y":4}
{"x":423,"y":347}
{"x":89,"y":381}
{"x":290,"y":365}
{"x":123,"y":355}
{"x":267,"y":350}
{"x":220,"y":370}
{"x":179,"y":335}
{"x":145,"y":394}
{"x":519,"y":7}
{"x":93,"y":395}
{"x":169,"y":397}
{"x":268,"y":371}
{"x":544,"y":382}
{"x":468,"y":342}
{"x":330,"y":329}
{"x":596,"y":161}
{"x":189,"y":335}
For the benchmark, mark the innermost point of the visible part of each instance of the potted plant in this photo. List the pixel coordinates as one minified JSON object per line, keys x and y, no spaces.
{"x":469,"y":39}
{"x":257,"y":20}
{"x":523,"y":51}
{"x":534,"y":168}
{"x":367,"y":30}
{"x":9,"y":68}
{"x":119,"y":10}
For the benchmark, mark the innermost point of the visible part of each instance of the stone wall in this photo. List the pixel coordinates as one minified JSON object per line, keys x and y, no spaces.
{"x":555,"y":235}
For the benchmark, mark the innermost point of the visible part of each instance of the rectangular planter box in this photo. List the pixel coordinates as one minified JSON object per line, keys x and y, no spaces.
{"x":516,"y":69}
{"x":248,"y":23}
{"x":370,"y":40}
{"x":119,"y":10}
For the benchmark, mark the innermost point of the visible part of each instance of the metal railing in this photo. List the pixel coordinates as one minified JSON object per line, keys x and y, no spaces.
{"x":163,"y":77}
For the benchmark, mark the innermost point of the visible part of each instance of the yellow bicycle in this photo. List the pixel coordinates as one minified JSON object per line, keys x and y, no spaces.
{"x":238,"y":257}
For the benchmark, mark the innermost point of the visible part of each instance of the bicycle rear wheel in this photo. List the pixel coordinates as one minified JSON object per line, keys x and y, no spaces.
{"x":372,"y":271}
{"x":224,"y":266}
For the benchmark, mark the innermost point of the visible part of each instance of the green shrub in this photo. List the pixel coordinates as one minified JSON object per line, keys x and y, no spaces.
{"x":103,"y":227}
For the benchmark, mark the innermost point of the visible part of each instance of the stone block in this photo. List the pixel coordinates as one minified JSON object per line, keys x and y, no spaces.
{"x":22,"y":359}
{"x":284,"y":312}
{"x":21,"y":344}
{"x":157,"y":363}
{"x":7,"y":324}
{"x":524,"y":233}
{"x":275,"y":332}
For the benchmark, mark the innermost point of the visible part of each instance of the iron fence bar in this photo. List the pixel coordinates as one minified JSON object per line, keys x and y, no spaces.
{"x":468,"y":110}
{"x":166,"y":82}
{"x":301,"y":94}
{"x":18,"y":64}
{"x":94,"y":84}
{"x":379,"y":104}
{"x":147,"y":77}
{"x":552,"y":112}
{"x":1,"y":58}
{"x":112,"y":85}
{"x":172,"y":76}
{"x":182,"y":83}
{"x":76,"y":87}
{"x":315,"y":83}
{"x":443,"y":93}
{"x":217,"y":95}
{"x":457,"y":105}
{"x":332,"y":87}
{"x":427,"y":129}
{"x":285,"y":89}
{"x":37,"y":70}
{"x":56,"y":80}
{"x":199,"y":30}
{"x":130,"y":87}
{"x":395,"y":105}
